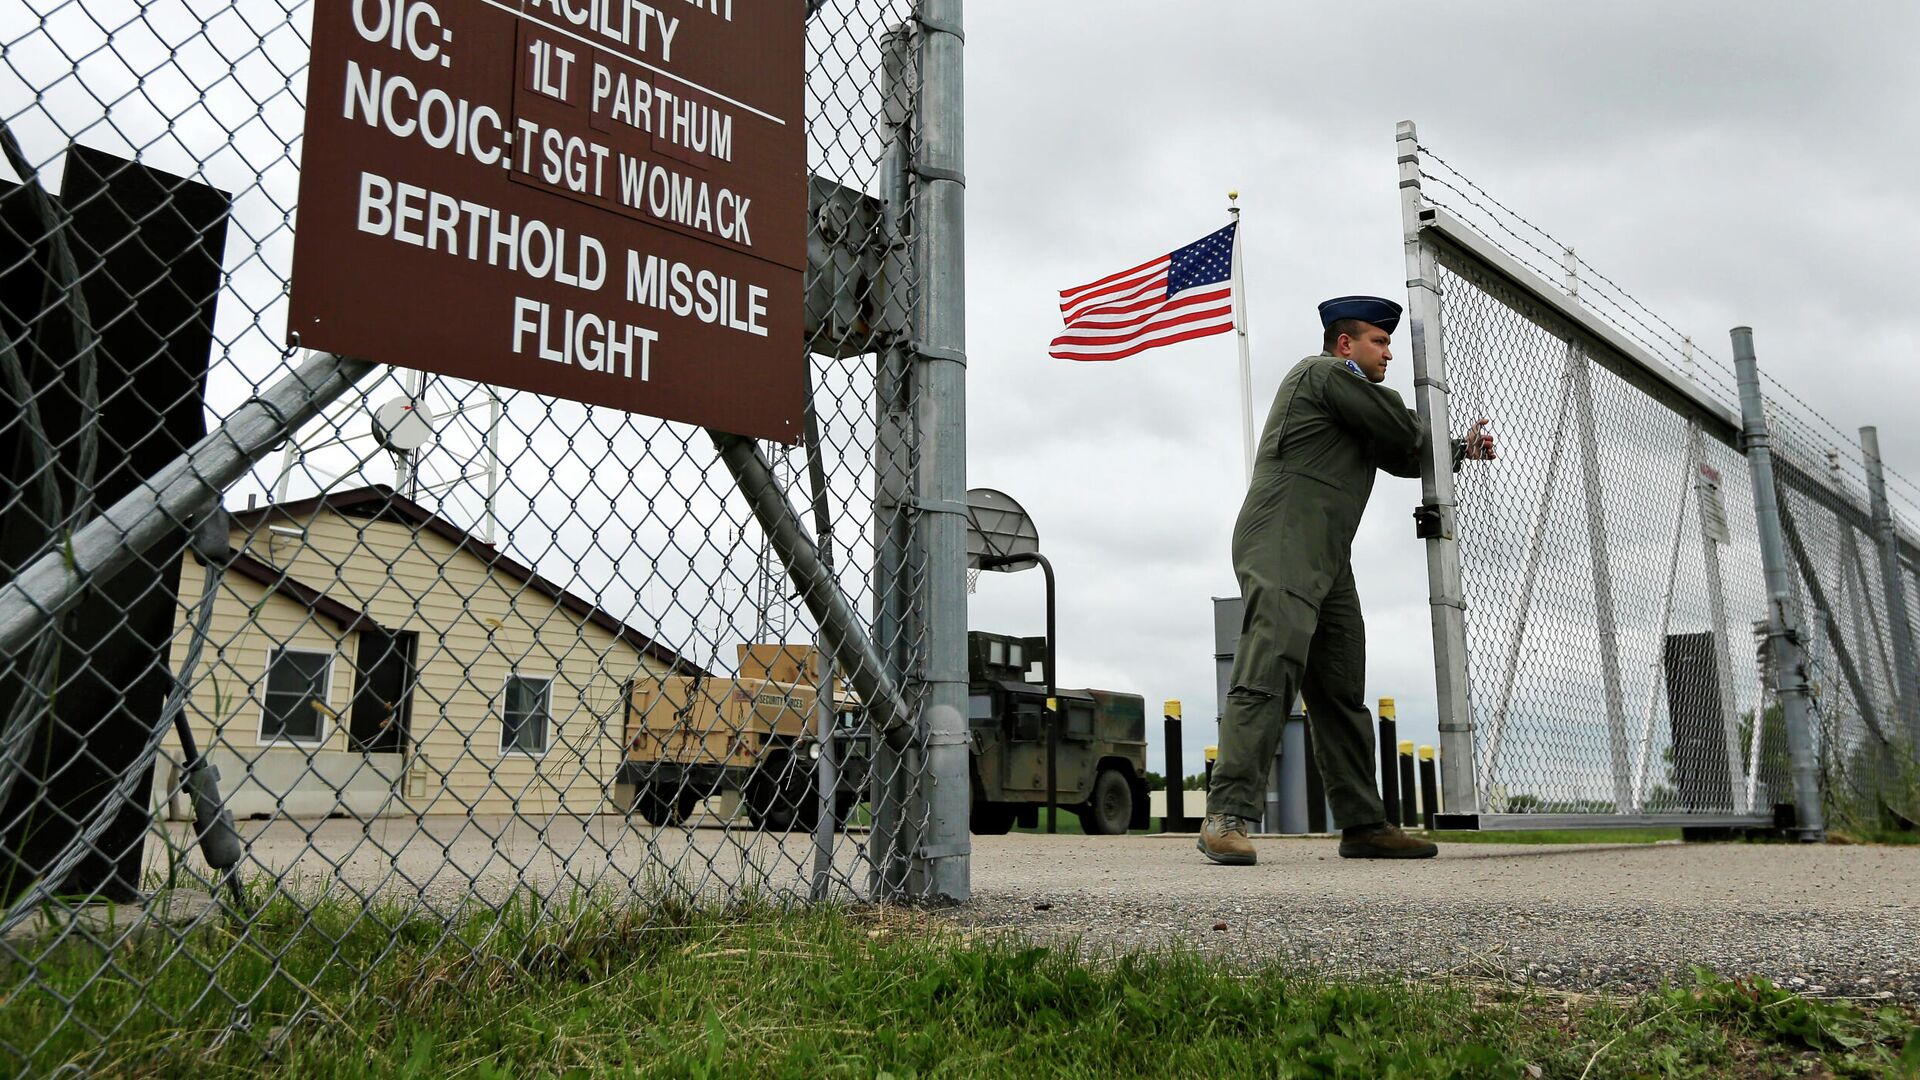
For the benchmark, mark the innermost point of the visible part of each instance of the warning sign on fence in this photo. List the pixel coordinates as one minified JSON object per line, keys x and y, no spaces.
{"x":602,"y":200}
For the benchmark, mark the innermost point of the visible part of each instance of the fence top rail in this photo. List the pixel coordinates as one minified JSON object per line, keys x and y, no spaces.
{"x":1632,"y":362}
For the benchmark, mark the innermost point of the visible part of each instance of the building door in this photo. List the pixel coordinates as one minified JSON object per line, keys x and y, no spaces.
{"x":383,"y":691}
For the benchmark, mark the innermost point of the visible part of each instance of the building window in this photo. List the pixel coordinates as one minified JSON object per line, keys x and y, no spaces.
{"x":298,"y":685}
{"x":523,"y":715}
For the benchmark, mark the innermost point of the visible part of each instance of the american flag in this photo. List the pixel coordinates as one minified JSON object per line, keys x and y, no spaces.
{"x":1177,"y":297}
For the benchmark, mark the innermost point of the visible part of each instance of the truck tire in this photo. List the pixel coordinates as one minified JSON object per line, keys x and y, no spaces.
{"x":990,"y":818}
{"x":764,"y":808}
{"x":683,"y":807}
{"x":782,"y":799}
{"x":1110,"y":810}
{"x":652,"y":806}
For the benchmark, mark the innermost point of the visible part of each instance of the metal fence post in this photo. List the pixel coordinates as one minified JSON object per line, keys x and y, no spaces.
{"x":893,"y":447}
{"x":940,"y":862}
{"x":826,"y":718}
{"x":1445,"y":594}
{"x":1899,"y":620}
{"x":1782,"y":631}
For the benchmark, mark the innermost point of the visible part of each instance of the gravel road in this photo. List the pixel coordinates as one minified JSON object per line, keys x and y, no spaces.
{"x":1827,"y":920}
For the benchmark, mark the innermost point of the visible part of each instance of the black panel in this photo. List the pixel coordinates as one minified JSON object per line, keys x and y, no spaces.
{"x":148,"y":248}
{"x":1695,"y":716}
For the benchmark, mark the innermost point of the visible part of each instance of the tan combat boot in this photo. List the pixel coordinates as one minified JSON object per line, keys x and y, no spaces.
{"x":1383,"y":840}
{"x":1223,"y":838}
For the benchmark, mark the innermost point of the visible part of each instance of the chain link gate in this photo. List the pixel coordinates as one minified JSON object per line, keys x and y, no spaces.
{"x":292,"y":642}
{"x":1606,"y":653}
{"x":1853,"y":587}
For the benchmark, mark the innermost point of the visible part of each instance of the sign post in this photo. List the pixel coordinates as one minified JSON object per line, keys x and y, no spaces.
{"x":600,"y":200}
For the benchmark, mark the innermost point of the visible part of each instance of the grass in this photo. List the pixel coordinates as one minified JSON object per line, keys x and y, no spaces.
{"x":755,"y":991}
{"x":1889,"y":835}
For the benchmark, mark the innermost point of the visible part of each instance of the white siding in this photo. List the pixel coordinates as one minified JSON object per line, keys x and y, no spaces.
{"x":475,"y":628}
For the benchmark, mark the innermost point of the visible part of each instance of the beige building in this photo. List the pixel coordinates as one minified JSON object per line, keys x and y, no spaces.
{"x":369,"y":657}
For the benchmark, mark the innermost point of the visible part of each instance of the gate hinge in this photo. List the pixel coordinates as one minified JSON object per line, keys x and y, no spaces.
{"x":939,"y":26}
{"x":944,"y":851}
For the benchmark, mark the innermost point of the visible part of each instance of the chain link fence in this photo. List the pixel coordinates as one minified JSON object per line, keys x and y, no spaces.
{"x":1601,"y":595}
{"x":1860,"y":665}
{"x":434,"y":649}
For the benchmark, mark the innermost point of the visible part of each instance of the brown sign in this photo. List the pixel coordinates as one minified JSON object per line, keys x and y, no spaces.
{"x":602,"y":200}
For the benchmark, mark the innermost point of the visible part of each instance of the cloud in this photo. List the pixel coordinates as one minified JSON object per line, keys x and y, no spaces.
{"x":1727,"y":164}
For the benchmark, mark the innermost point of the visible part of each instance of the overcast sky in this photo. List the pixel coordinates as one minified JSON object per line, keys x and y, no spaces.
{"x":1727,"y":163}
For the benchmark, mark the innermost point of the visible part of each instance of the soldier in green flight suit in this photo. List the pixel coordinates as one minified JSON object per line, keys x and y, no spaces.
{"x":1332,"y":424}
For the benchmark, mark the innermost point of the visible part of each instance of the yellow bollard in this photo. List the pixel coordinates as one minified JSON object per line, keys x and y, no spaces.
{"x":1174,"y":818}
{"x":1409,"y":794}
{"x":1429,"y":786}
{"x":1392,"y":793}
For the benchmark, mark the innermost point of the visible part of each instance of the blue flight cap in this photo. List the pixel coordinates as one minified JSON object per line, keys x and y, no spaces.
{"x":1384,"y":314}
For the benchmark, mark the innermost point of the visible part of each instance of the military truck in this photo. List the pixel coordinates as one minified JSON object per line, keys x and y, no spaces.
{"x":692,"y":737}
{"x":1101,"y":757}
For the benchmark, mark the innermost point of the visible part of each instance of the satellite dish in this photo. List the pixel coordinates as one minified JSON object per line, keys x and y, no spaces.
{"x":997,"y":526}
{"x":402,"y":425}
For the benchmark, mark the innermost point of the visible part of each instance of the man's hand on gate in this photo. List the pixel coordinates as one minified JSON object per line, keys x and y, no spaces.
{"x":1479,"y":441}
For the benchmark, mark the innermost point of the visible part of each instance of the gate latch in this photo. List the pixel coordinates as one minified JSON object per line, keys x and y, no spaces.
{"x":1426,"y":522}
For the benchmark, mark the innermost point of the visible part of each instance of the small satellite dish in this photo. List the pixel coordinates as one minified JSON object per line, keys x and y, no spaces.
{"x":997,"y":526}
{"x":402,"y":425}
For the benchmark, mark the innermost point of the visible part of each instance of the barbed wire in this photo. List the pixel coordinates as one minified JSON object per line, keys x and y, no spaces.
{"x":1679,"y":343}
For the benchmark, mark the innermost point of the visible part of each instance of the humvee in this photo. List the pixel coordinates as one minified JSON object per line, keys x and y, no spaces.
{"x":1102,"y":755}
{"x":692,"y":737}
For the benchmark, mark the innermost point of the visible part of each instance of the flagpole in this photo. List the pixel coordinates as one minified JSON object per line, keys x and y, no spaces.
{"x":1240,"y":331}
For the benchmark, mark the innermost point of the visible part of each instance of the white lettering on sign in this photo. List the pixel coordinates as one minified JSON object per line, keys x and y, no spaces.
{"x":657,"y":111}
{"x":583,"y":339}
{"x":552,"y":65}
{"x":563,"y":160}
{"x":639,"y":26}
{"x":554,"y":138}
{"x":687,"y":291}
{"x":412,"y":27}
{"x":439,"y":222}
{"x":684,"y":200}
{"x":722,"y":8}
{"x":394,"y":104}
